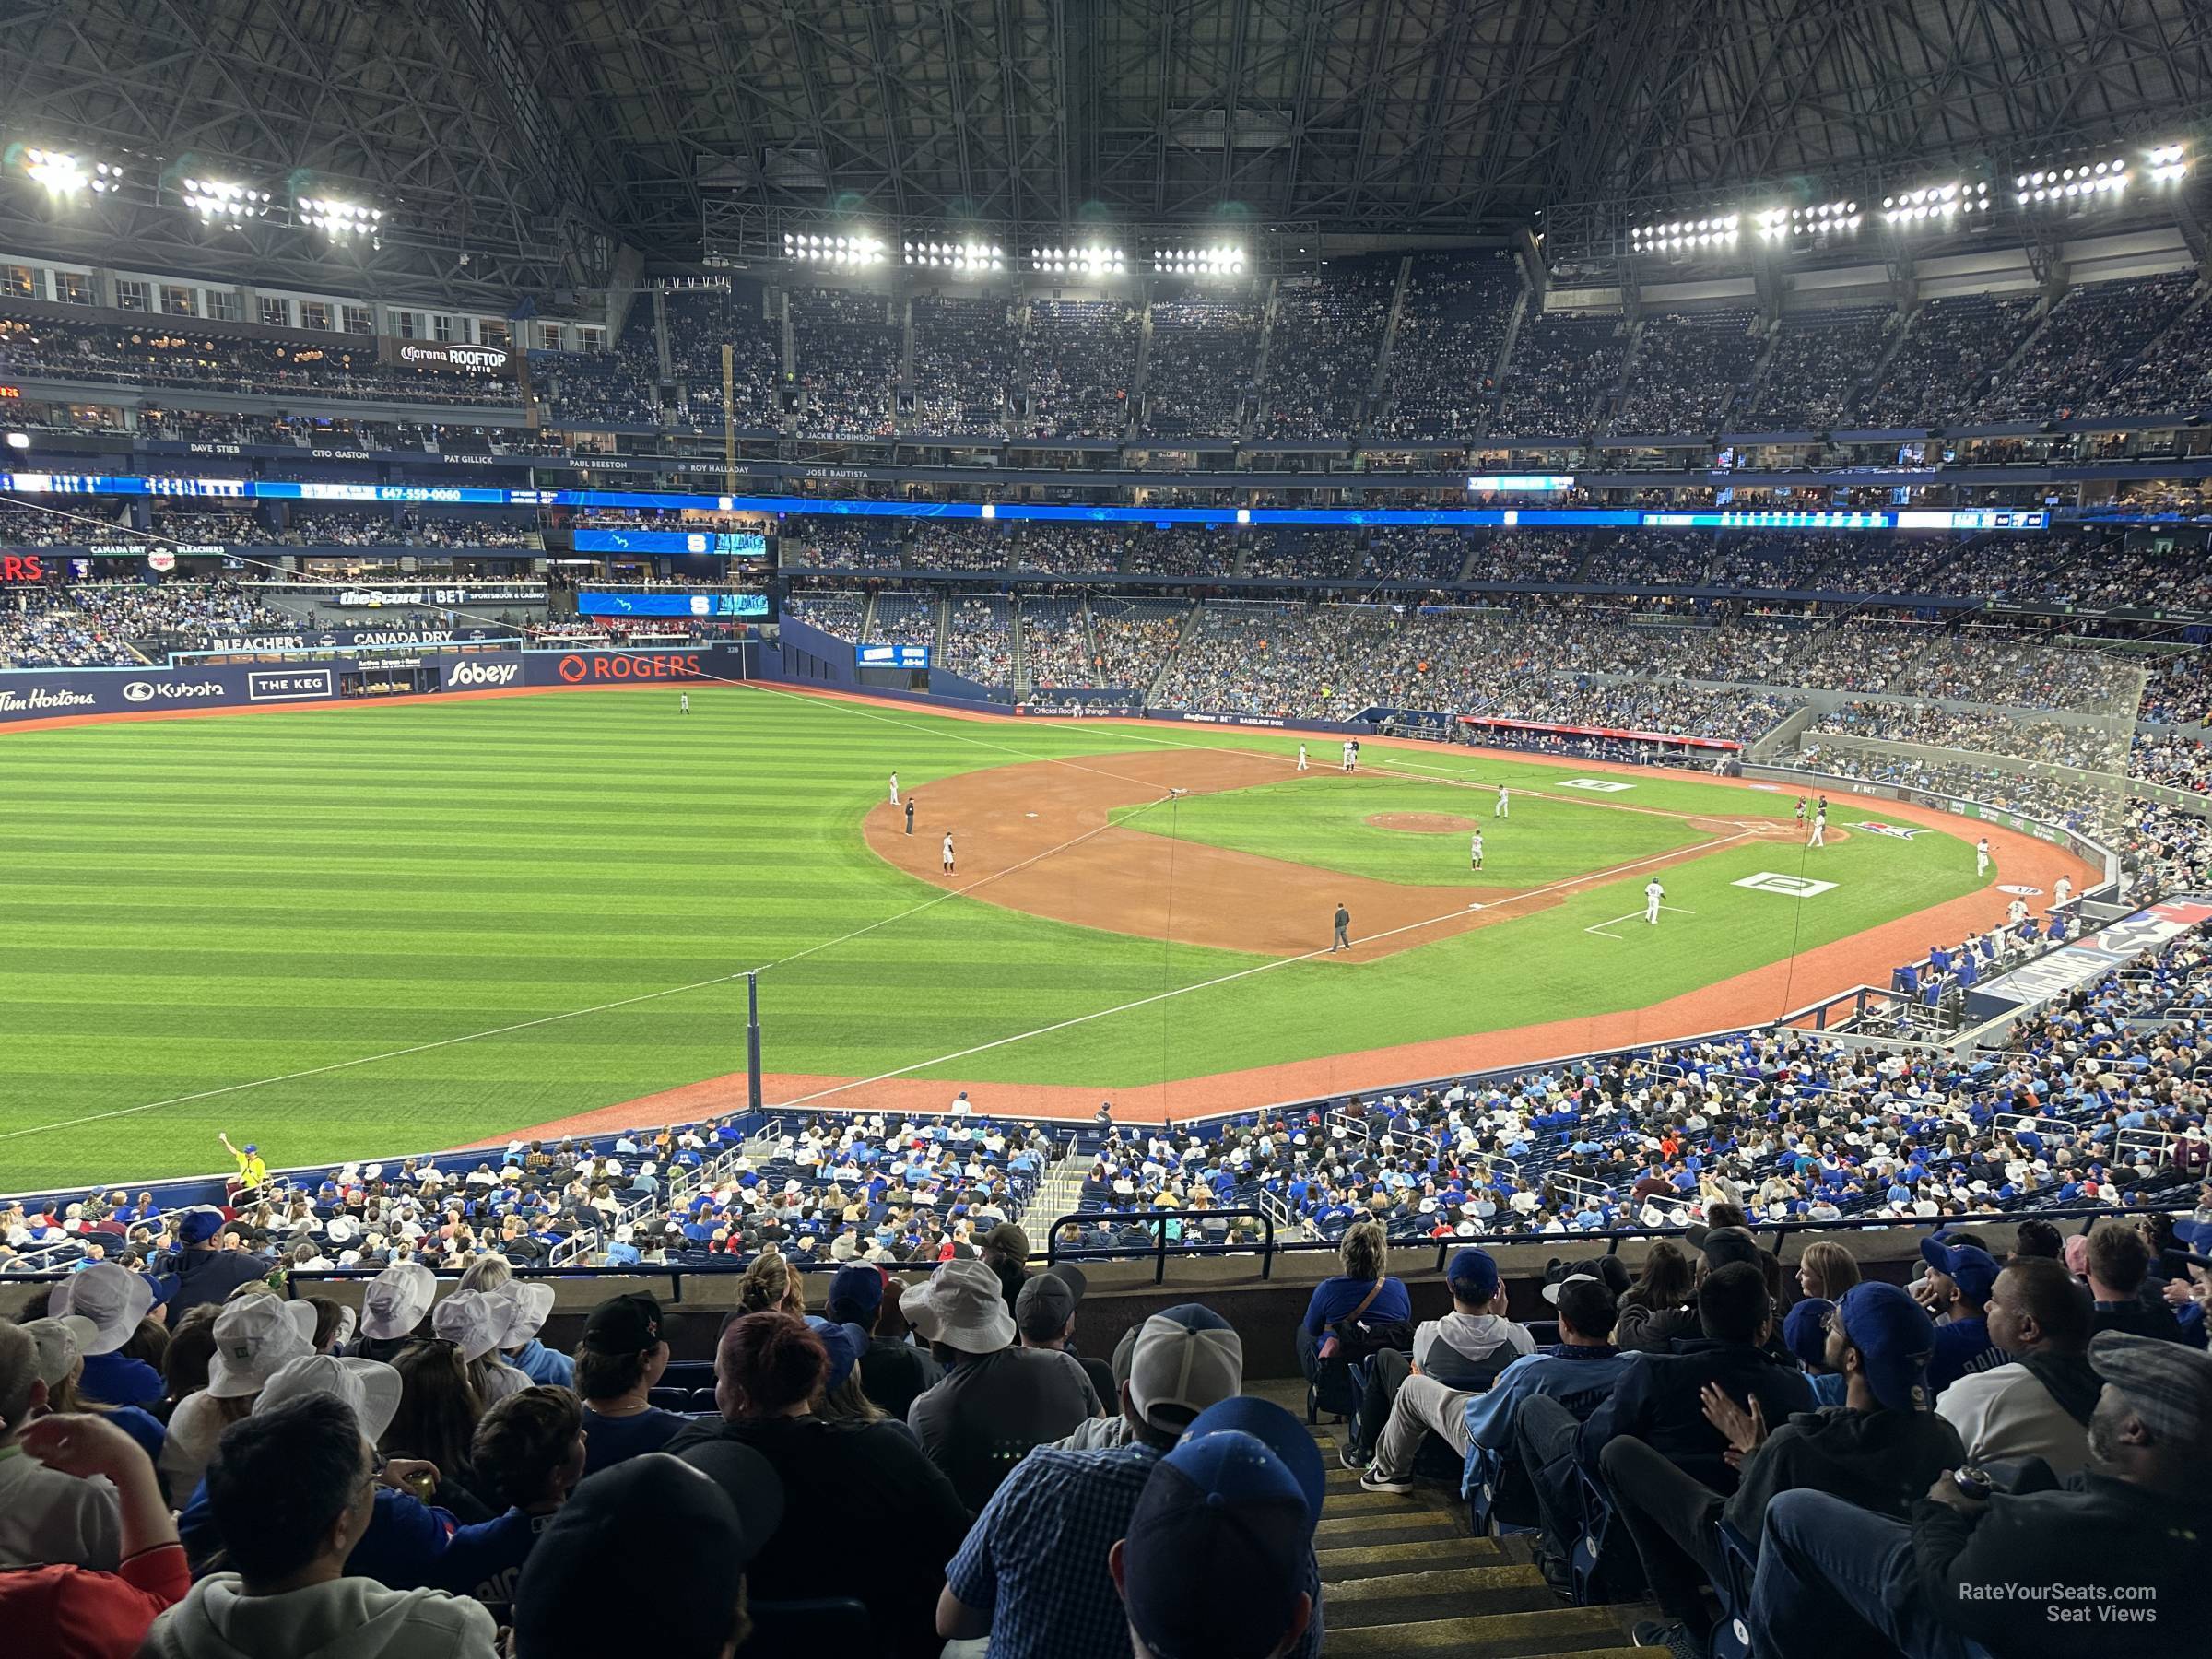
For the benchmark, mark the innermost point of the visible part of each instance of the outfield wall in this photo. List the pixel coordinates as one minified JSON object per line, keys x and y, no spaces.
{"x":35,"y":694}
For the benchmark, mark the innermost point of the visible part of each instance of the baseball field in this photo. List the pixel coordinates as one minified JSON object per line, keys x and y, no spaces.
{"x":370,"y":930}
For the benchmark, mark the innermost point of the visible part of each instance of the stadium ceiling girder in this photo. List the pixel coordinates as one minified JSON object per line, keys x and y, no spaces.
{"x":537,"y":135}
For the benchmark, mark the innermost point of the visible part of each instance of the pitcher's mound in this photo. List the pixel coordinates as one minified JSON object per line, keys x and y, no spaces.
{"x":1421,"y":823}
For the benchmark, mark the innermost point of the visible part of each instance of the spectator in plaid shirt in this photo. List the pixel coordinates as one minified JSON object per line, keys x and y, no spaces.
{"x":1032,"y":1573}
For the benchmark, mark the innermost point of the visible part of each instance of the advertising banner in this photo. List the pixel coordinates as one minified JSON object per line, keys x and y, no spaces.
{"x":891,"y":656}
{"x":672,"y":605}
{"x":42,"y":693}
{"x":451,"y":356}
{"x":617,"y":667}
{"x":482,"y":671}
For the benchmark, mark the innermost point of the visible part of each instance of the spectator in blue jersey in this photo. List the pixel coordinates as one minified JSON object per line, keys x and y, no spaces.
{"x":527,"y":1453}
{"x":622,"y":1355}
{"x":107,"y":1301}
{"x":1956,"y":1289}
{"x":1364,"y":1293}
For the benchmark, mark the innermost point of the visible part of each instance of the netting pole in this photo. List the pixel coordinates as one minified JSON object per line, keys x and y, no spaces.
{"x":752,"y":1041}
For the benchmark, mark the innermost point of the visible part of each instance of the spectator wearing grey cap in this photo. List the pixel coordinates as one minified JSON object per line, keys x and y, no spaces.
{"x":2021,"y":1565}
{"x":1032,"y":1573}
{"x":1045,"y":1314}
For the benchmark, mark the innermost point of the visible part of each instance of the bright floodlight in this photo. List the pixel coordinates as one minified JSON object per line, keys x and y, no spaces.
{"x":219,"y":202}
{"x":57,"y":170}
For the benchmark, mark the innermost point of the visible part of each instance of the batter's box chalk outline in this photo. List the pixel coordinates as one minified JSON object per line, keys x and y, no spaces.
{"x":1789,"y":887}
{"x":1635,"y":915}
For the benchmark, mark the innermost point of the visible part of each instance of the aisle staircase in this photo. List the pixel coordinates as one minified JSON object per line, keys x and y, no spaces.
{"x":1401,"y":1575}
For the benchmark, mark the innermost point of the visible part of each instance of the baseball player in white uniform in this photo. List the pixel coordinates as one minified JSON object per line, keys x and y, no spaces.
{"x":1653,"y":893}
{"x":894,"y":789}
{"x":1505,"y":803}
{"x":1474,"y":850}
{"x":1982,"y":856}
{"x":949,"y":869}
{"x":2062,"y":889}
{"x":1819,"y":828}
{"x":1302,"y":756}
{"x":1350,"y":754}
{"x":683,"y":701}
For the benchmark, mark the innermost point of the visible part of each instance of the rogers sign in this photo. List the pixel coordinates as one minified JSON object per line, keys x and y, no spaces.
{"x":21,"y":567}
{"x":576,"y":670}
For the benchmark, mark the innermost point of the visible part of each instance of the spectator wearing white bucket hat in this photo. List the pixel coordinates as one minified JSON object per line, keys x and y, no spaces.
{"x":62,"y":1367}
{"x":254,"y":1337}
{"x":530,"y":1302}
{"x":996,"y":1400}
{"x":475,"y":1323}
{"x":111,"y":1302}
{"x":392,"y":1310}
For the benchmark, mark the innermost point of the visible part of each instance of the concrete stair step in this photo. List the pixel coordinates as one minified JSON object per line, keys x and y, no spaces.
{"x":1420,"y":1500}
{"x":1517,"y":1635}
{"x":1369,"y":1560}
{"x":1436,"y":1594}
{"x":1337,"y":1531}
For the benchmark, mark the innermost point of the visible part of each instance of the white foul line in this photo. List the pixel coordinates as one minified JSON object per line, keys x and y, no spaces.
{"x":1160,"y":996}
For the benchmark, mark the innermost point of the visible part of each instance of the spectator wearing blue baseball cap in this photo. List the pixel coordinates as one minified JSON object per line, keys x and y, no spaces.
{"x":1454,"y":1358}
{"x":1956,"y":1289}
{"x":894,"y":1372}
{"x":1218,"y":1559}
{"x":1878,"y":1451}
{"x":205,"y":1271}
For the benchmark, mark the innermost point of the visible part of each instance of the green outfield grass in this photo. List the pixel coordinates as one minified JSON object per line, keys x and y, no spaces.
{"x":192,"y":905}
{"x":1322,"y":818}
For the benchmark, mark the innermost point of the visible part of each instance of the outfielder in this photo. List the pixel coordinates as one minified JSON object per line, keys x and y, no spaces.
{"x":1505,"y":803}
{"x":1474,"y":850}
{"x":894,"y":789}
{"x":1982,"y":856}
{"x":949,"y":869}
{"x":1302,"y":756}
{"x":683,"y":701}
{"x":1653,"y":893}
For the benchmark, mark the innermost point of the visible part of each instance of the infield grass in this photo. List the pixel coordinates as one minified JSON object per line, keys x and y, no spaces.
{"x":315,"y":905}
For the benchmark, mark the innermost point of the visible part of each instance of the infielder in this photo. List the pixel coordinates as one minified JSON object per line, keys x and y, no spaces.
{"x":949,"y":869}
{"x":1302,"y":756}
{"x":1819,"y":828}
{"x":1982,"y":856}
{"x":1653,"y":893}
{"x":1344,"y":930}
{"x":683,"y":701}
{"x":1351,"y":754}
{"x":1505,"y":803}
{"x":1474,"y":850}
{"x":894,"y":789}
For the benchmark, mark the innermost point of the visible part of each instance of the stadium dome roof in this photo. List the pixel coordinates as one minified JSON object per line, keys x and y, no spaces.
{"x":521,"y":147}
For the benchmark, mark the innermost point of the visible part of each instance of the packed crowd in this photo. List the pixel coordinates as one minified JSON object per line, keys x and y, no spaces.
{"x":1323,"y":350}
{"x":1444,"y":359}
{"x":1199,"y":373}
{"x":2094,"y":747}
{"x":848,"y":353}
{"x":2087,"y":341}
{"x":1561,"y":372}
{"x":965,"y":361}
{"x":2172,"y":759}
{"x":1078,"y":369}
{"x":981,"y":645}
{"x":1942,"y":366}
{"x":1686,"y":370}
{"x":181,"y":352}
{"x":1815,"y":367}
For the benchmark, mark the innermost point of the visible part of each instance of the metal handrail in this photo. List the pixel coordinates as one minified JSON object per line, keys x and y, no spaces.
{"x":1158,"y":1220}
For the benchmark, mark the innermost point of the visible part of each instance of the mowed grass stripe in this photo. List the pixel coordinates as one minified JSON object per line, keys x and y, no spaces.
{"x":197,"y":903}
